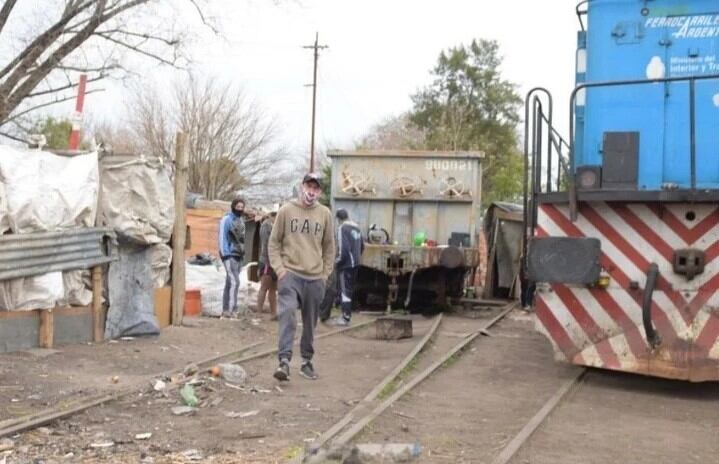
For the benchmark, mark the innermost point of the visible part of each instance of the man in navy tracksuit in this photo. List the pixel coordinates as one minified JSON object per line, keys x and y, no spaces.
{"x":349,"y":253}
{"x":232,"y":252}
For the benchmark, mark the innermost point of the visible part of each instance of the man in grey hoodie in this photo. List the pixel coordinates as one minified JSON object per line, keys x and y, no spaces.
{"x":302,"y":252}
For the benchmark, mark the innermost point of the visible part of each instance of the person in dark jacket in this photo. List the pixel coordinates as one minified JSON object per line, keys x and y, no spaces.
{"x":232,"y":253}
{"x":350,"y":247}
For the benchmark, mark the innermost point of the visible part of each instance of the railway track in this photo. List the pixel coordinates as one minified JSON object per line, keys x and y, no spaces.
{"x":43,"y":417}
{"x":342,"y":432}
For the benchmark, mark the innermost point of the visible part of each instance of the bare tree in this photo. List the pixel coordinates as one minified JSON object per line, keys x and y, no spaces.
{"x":46,"y":45}
{"x":232,"y":144}
{"x":395,"y":132}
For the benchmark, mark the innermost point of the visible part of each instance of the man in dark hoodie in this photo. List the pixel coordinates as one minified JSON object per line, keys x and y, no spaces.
{"x":232,"y":252}
{"x":350,"y":248}
{"x":302,"y":252}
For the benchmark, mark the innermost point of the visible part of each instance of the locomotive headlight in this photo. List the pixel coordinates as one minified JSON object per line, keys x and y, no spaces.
{"x":587,"y":179}
{"x":603,"y":281}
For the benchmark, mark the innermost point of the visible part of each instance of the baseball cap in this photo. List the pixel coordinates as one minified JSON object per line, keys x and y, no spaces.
{"x":312,"y":177}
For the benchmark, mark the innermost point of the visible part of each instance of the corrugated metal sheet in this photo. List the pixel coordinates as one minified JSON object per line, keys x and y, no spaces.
{"x":26,"y":255}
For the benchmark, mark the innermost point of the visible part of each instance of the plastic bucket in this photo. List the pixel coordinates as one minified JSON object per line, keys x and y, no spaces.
{"x":193,"y":302}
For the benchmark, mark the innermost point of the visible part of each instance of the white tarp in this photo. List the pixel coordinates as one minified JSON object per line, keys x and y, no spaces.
{"x":40,"y":292}
{"x":4,"y":219}
{"x":77,"y":288}
{"x":210,"y":280}
{"x":46,"y":192}
{"x":161,"y":258}
{"x":138,"y":199}
{"x":41,"y":192}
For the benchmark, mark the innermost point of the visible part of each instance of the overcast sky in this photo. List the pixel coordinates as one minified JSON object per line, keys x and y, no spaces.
{"x":380,"y":52}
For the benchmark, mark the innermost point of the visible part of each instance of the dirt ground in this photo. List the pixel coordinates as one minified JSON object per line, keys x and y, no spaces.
{"x":615,"y":417}
{"x":465,"y":413}
{"x":255,"y":423}
{"x":475,"y":405}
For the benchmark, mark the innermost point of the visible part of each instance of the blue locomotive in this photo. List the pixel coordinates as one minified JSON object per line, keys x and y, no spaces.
{"x":622,"y":215}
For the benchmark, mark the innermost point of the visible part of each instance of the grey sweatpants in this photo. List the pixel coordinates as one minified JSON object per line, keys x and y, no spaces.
{"x":233,"y":266}
{"x":295,"y":292}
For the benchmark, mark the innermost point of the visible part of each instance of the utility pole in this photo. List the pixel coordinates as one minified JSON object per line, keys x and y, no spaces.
{"x":316,"y":48}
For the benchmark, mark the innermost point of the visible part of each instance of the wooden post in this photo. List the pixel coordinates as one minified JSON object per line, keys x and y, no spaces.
{"x":98,"y":310}
{"x":179,"y":231}
{"x":47,"y":328}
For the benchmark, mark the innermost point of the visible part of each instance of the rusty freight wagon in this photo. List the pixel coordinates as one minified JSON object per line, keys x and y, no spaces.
{"x":419,"y":213}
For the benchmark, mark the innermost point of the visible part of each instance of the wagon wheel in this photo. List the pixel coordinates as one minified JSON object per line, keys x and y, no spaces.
{"x":452,"y":187}
{"x":354,"y":185}
{"x":405,"y":186}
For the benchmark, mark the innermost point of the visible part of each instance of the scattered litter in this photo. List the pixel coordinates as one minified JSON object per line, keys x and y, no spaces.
{"x":259,"y":390}
{"x":190,"y":370}
{"x":44,"y":430}
{"x":105,"y":444}
{"x":195,"y":382}
{"x":255,"y":322}
{"x":113,"y":341}
{"x":236,"y":387}
{"x":249,"y":414}
{"x":277,"y":387}
{"x":159,"y":385}
{"x":6,"y":444}
{"x":115,"y":379}
{"x":188,"y":395}
{"x":241,"y":415}
{"x":395,"y":452}
{"x":401,"y":414}
{"x":192,"y":455}
{"x":182,"y":410}
{"x":309,"y":440}
{"x":14,"y":400}
{"x":215,"y":371}
{"x":127,"y":339}
{"x":143,"y":436}
{"x":233,"y":373}
{"x":34,"y":397}
{"x":251,"y":435}
{"x":69,"y":455}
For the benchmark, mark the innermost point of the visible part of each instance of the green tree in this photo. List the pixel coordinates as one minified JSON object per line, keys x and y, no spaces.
{"x":469,"y":106}
{"x":326,"y":198}
{"x":56,"y":132}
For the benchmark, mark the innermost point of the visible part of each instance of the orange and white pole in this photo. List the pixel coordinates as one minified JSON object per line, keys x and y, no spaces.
{"x":77,"y":116}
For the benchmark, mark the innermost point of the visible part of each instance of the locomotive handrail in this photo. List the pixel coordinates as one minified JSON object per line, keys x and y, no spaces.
{"x":581,"y":12}
{"x":529,"y":226}
{"x":589,"y":85}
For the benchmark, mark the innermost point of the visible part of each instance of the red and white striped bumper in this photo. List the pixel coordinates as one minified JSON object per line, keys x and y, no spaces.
{"x":603,"y":327}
